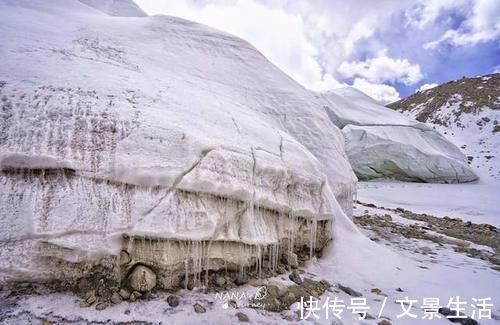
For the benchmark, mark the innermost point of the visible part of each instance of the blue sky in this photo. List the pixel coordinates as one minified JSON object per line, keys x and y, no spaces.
{"x":386,"y":48}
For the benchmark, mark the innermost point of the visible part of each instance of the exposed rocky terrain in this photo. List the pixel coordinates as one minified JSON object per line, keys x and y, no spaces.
{"x":466,"y":95}
{"x":480,"y":241}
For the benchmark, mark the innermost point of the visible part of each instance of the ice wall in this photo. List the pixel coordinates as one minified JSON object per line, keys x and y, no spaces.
{"x":156,"y":129}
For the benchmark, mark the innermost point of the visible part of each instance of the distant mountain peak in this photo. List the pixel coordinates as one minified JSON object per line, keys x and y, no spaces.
{"x":466,"y":95}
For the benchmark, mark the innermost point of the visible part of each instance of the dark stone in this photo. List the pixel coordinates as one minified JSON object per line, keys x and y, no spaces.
{"x":116,"y":298}
{"x":220,"y":281}
{"x":349,"y":291}
{"x":232,"y":304}
{"x":124,"y":294}
{"x":199,"y":308}
{"x":135,"y":295}
{"x":242,"y":317}
{"x":102,"y":306}
{"x":240,"y":280}
{"x":448,"y":313}
{"x":295,"y":277}
{"x":173,"y":301}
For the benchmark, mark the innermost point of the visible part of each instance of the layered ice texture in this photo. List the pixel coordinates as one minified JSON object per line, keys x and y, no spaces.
{"x":177,"y":143}
{"x":382,"y":143}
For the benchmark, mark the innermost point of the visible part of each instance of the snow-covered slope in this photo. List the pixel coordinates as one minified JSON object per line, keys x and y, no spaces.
{"x":382,"y":143}
{"x":467,"y":112}
{"x":157,"y":136}
{"x":118,"y":8}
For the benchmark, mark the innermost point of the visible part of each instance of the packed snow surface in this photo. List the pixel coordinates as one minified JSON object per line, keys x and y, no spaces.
{"x":476,"y":202}
{"x":382,"y":143}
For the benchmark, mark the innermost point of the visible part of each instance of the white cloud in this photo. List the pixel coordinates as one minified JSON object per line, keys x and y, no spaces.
{"x":425,"y":12}
{"x":320,"y":42}
{"x":308,"y":40}
{"x":481,"y":25}
{"x":383,"y":68}
{"x":425,"y":87}
{"x":383,"y":94}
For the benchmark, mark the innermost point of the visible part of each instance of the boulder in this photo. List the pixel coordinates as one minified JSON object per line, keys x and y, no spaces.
{"x":173,"y":301}
{"x":199,"y":309}
{"x":142,"y":279}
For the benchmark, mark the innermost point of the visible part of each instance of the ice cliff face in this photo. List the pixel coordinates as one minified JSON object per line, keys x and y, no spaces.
{"x":382,"y":143}
{"x":467,"y":112}
{"x":156,"y":141}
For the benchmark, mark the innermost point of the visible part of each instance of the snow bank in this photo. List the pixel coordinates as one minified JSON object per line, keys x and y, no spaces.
{"x":153,"y":129}
{"x":382,"y":143}
{"x":117,"y":8}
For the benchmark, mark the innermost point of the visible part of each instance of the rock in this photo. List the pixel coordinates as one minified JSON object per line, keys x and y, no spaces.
{"x":173,"y":301}
{"x":103,"y":291}
{"x":124,"y":294}
{"x":495,"y":259}
{"x":242,"y":317}
{"x":281,"y":269}
{"x":293,"y":260}
{"x":232,"y":304}
{"x":448,"y":313}
{"x":190,"y":285}
{"x":384,"y":322}
{"x":295,"y":277}
{"x":399,"y":290}
{"x":127,"y":312}
{"x":349,"y":291}
{"x":102,"y":305}
{"x":124,"y":258}
{"x":135,"y":295}
{"x":240,"y":280}
{"x":199,"y":308}
{"x":90,"y":297}
{"x":84,"y":304}
{"x":273,"y":290}
{"x":289,"y":298}
{"x":116,"y":298}
{"x":376,"y":291}
{"x":89,"y":294}
{"x":142,"y":279}
{"x":220,"y":281}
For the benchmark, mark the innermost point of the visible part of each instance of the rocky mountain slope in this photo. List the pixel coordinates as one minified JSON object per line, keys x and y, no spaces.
{"x":381,"y":143}
{"x":128,"y":141}
{"x":467,"y":112}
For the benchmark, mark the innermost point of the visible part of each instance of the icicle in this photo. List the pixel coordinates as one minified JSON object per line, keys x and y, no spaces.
{"x":166,"y":246}
{"x":312,"y":237}
{"x":186,"y":264}
{"x":130,"y":244}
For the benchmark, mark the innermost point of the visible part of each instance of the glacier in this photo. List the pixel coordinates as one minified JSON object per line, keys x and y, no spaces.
{"x":133,"y":140}
{"x":382,"y":143}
